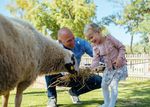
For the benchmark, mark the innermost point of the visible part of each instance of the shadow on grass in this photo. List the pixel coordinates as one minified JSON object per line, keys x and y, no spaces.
{"x":137,"y":94}
{"x":84,"y":104}
{"x":38,"y":93}
{"x":36,"y":106}
{"x":134,"y":102}
{"x":140,"y":89}
{"x":34,"y":93}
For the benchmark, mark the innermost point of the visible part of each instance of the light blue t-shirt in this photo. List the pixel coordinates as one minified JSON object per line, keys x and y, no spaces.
{"x":81,"y":47}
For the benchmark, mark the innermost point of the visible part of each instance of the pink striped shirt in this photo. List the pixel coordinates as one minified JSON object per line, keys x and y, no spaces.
{"x":110,"y":50}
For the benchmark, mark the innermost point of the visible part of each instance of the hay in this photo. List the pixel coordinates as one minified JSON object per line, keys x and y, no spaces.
{"x":81,"y":77}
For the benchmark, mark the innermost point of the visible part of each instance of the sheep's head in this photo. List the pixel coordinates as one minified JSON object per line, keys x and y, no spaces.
{"x":71,"y":63}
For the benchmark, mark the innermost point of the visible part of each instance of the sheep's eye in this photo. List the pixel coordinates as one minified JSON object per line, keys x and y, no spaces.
{"x":72,"y":67}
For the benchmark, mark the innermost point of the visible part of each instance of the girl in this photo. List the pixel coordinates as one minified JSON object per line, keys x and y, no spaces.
{"x":113,"y":54}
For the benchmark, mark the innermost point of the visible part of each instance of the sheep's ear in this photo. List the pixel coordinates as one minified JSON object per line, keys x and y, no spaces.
{"x":75,"y":63}
{"x":73,"y":59}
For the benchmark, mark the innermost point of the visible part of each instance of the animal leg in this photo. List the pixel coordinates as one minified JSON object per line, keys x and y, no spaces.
{"x":5,"y":100}
{"x":20,"y":88}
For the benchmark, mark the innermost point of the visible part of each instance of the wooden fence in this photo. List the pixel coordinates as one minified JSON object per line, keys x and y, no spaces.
{"x":138,"y":65}
{"x":138,"y":68}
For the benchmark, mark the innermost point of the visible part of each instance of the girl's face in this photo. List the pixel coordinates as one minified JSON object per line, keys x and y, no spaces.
{"x":94,"y":37}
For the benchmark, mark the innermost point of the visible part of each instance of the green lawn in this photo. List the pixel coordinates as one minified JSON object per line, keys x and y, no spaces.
{"x":131,"y":94}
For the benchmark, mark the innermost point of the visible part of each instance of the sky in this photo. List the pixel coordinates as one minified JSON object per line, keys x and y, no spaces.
{"x":104,"y":8}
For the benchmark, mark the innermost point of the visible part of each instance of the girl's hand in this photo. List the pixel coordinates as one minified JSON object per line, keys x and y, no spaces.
{"x":117,"y":63}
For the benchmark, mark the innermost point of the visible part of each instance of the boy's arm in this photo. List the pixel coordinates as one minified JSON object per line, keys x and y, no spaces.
{"x":88,"y":48}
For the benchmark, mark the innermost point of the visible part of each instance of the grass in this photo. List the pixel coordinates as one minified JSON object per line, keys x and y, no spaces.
{"x":131,"y":94}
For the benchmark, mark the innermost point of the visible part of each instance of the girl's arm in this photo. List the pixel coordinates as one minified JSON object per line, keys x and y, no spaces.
{"x":119,"y":46}
{"x":96,"y":57}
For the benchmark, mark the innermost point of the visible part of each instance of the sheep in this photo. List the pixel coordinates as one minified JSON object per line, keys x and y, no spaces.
{"x":25,"y":54}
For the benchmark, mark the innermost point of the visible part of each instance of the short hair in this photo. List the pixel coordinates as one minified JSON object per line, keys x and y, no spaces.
{"x":63,"y":31}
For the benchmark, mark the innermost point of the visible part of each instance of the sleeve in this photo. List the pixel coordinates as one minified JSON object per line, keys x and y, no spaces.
{"x":88,"y":48}
{"x":96,"y":58}
{"x":119,"y":46}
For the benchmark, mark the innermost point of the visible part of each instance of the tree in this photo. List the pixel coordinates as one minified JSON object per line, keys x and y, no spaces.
{"x":49,"y":16}
{"x":135,"y":19}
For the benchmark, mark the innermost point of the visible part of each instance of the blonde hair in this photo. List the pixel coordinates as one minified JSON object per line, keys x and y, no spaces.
{"x":96,"y":28}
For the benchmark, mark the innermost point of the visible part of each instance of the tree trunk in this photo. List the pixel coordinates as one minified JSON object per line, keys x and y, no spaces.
{"x":131,"y":44}
{"x":149,"y":38}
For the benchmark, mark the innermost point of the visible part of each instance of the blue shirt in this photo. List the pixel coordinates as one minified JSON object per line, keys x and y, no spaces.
{"x":81,"y":47}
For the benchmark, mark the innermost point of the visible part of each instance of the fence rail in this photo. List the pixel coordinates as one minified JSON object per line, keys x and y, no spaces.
{"x":138,"y":68}
{"x":138,"y":65}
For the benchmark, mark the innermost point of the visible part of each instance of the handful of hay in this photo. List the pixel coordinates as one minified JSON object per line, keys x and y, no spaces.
{"x":81,"y":77}
{"x":100,"y":68}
